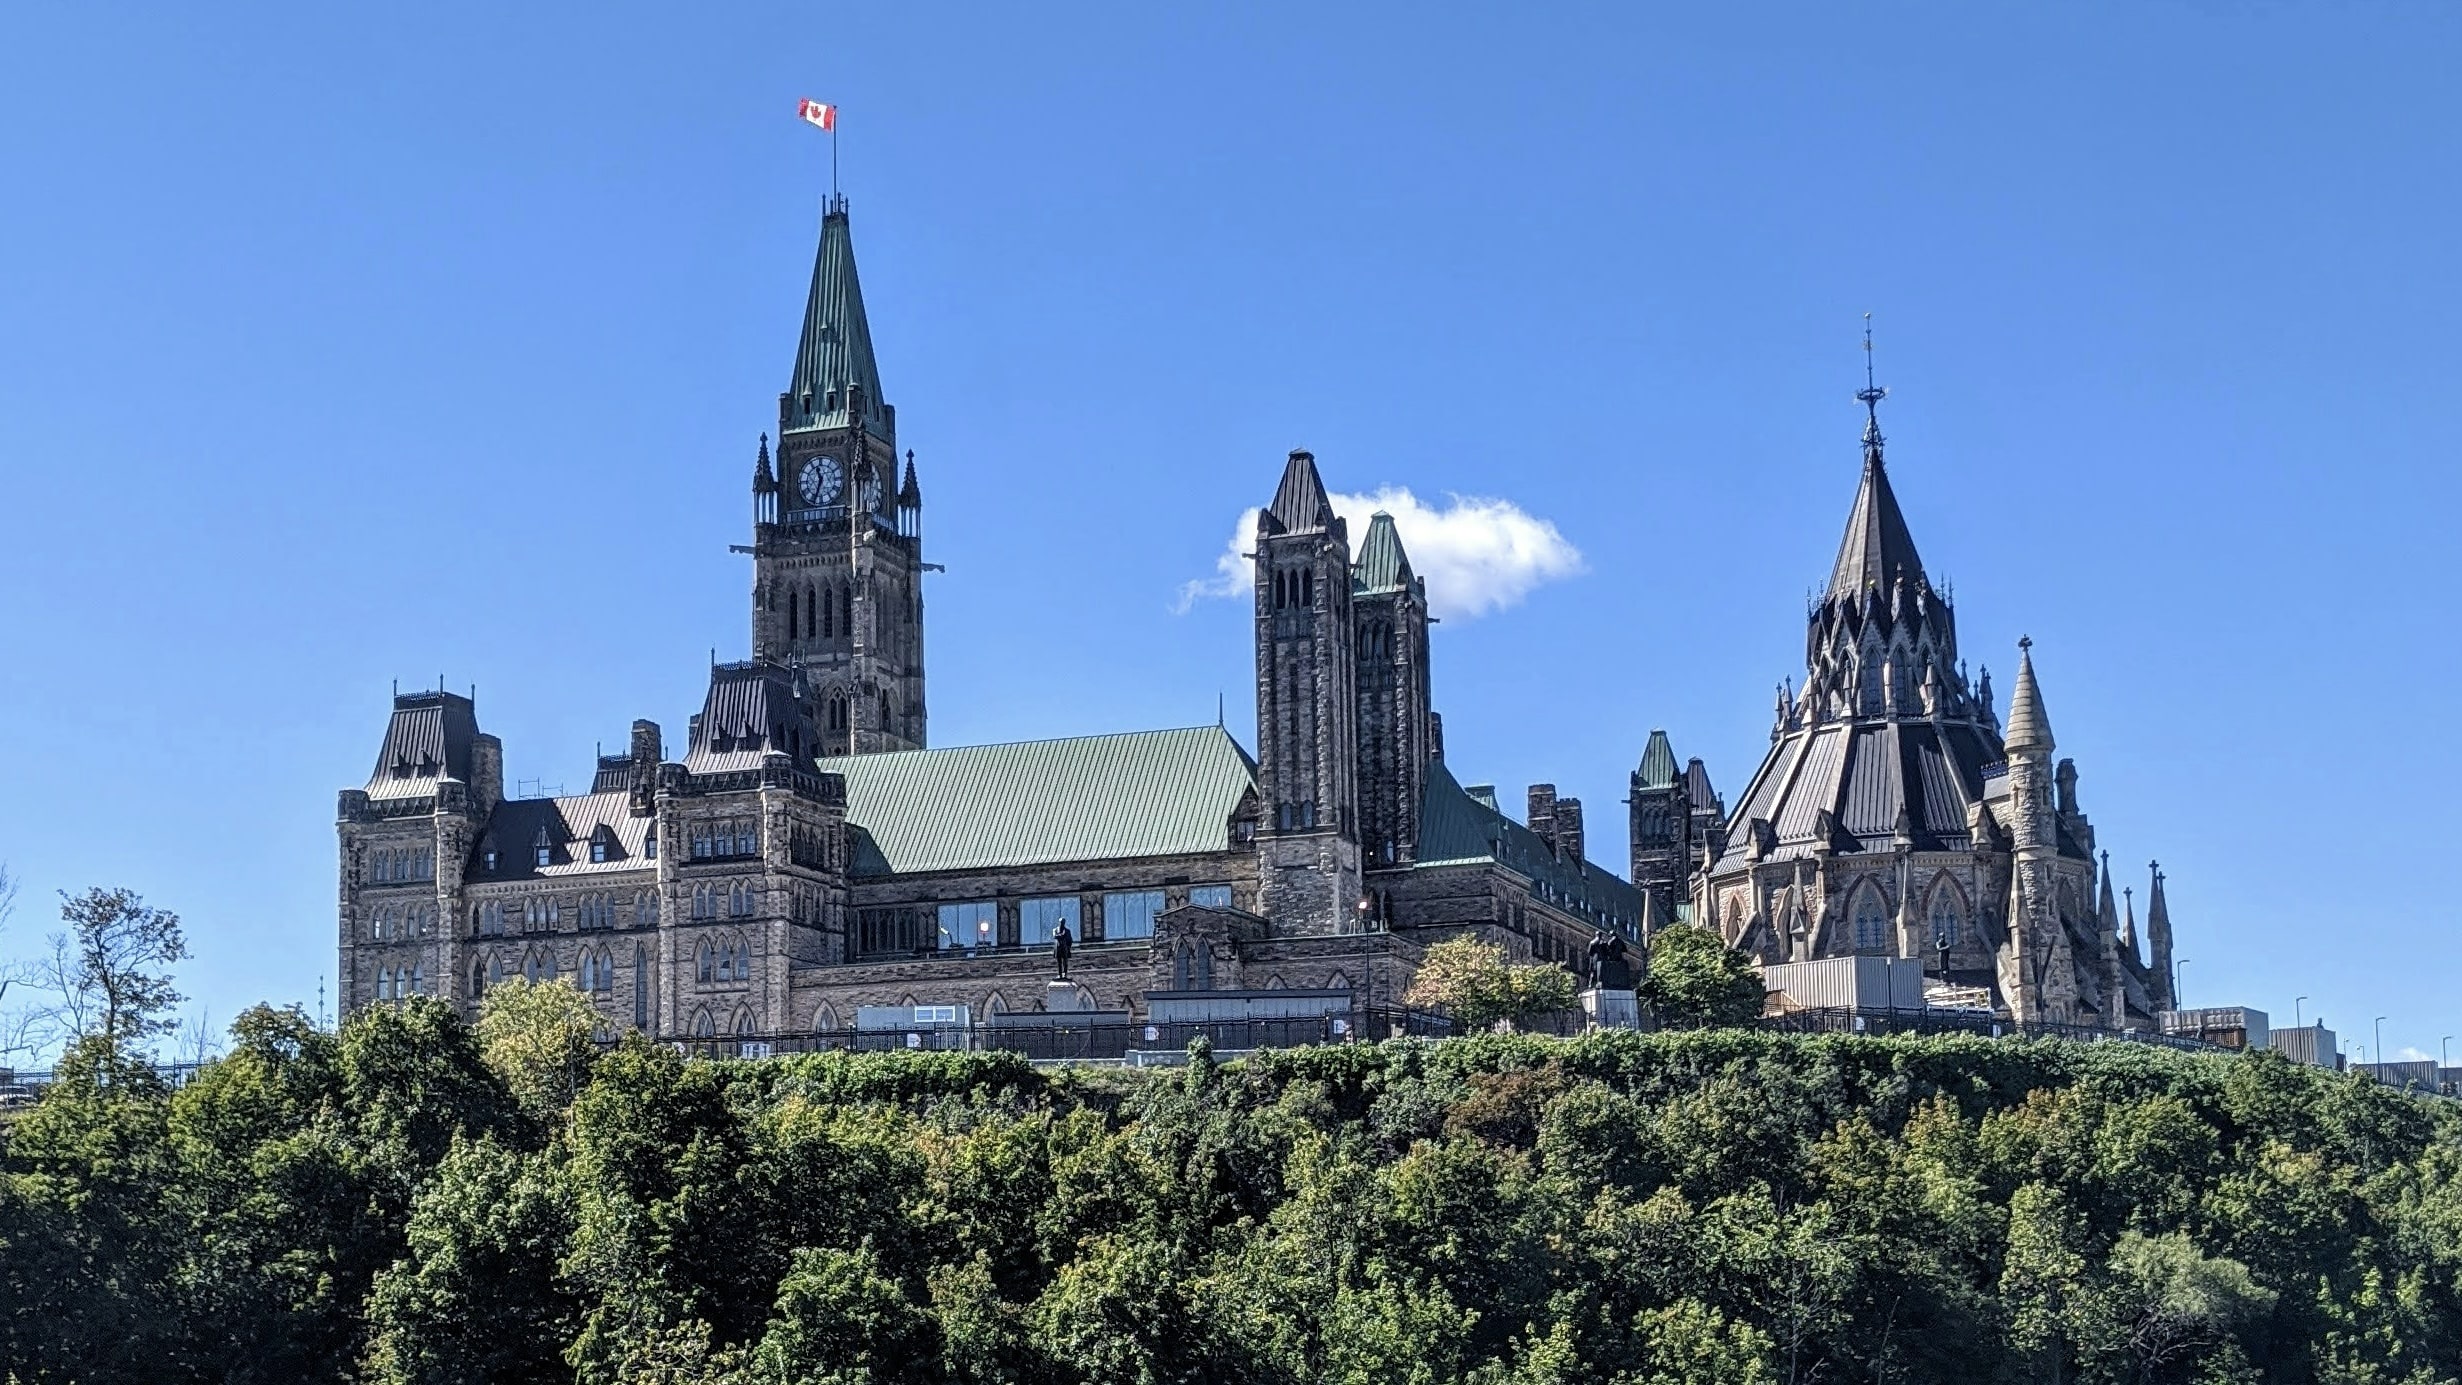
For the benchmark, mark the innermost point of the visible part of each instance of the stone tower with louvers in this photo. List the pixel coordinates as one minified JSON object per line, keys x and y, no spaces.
{"x":838,"y":526}
{"x":1308,"y":864}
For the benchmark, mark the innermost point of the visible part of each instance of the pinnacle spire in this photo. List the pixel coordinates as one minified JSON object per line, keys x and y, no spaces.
{"x":2029,"y":729}
{"x":834,"y":367}
{"x":1299,"y":502}
{"x":1878,"y":551}
{"x":909,"y":493}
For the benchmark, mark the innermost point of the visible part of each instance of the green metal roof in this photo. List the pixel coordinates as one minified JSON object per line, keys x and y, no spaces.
{"x":1087,"y":798}
{"x":1382,"y":566}
{"x":1457,"y":829}
{"x":1658,"y":763}
{"x":836,"y":347}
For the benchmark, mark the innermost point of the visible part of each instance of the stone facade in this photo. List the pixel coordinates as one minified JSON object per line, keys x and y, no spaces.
{"x":806,"y":855}
{"x":1892,"y":817}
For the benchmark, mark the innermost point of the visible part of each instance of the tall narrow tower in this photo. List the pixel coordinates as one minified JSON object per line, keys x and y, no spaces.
{"x":1307,"y":709}
{"x":837,"y":537}
{"x":1389,"y":610}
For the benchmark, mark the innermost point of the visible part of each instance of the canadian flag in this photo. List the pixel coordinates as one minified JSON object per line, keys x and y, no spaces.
{"x":813,"y":111}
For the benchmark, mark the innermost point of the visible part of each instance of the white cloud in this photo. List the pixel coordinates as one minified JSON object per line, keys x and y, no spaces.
{"x":1476,"y":554}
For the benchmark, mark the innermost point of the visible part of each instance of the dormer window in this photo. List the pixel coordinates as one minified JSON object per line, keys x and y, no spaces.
{"x":487,"y":859}
{"x":542,"y":848}
{"x":649,"y":844}
{"x":598,"y":851}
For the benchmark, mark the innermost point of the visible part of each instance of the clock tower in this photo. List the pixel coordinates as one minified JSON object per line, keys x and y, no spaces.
{"x":837,"y":544}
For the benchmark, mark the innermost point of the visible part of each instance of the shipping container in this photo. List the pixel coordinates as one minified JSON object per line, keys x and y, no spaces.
{"x":1845,"y":983}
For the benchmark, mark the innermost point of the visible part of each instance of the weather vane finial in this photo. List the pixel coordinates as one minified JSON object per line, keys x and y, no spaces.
{"x":1871,"y":395}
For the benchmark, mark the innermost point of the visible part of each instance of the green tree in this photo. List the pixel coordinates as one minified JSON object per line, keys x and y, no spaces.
{"x":1696,"y":980}
{"x":539,"y":1039}
{"x":114,"y":974}
{"x":1478,"y":985}
{"x":841,"y":1321}
{"x":476,"y":1296}
{"x":2178,"y":1304}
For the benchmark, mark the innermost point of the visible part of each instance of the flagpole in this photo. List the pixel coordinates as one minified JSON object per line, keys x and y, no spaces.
{"x":833,"y":160}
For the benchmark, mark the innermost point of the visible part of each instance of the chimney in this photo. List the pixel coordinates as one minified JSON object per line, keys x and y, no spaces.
{"x":1542,"y":816}
{"x":1568,"y":829}
{"x":647,"y":751}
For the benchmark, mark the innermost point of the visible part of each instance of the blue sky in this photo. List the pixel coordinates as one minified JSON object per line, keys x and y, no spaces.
{"x":342,"y":347}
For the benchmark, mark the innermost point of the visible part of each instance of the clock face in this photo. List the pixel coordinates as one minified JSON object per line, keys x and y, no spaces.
{"x":821,"y":480}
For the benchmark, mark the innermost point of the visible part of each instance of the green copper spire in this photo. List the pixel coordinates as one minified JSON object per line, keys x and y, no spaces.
{"x":833,"y":360}
{"x":1658,"y":763}
{"x":1382,"y":565}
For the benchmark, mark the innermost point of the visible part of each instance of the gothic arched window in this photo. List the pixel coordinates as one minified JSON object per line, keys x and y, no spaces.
{"x":1947,"y":919}
{"x":1871,"y":922}
{"x":704,"y":961}
{"x":701,"y":1026}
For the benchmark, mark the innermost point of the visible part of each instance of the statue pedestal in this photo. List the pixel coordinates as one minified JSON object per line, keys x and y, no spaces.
{"x":1062,"y":997}
{"x":1611,"y":1009}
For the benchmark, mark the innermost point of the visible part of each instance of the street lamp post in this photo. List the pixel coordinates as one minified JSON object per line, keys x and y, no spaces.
{"x":2177,"y":967}
{"x":2444,"y":1059}
{"x":2380,"y":1047}
{"x":2298,"y":1016}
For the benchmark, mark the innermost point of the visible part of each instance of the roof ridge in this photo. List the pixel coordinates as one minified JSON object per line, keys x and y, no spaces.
{"x":1038,"y":740}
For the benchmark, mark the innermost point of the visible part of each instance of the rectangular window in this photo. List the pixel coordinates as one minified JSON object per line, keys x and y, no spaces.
{"x":1037,"y":916}
{"x":1210,"y":896}
{"x":973,"y":924}
{"x":598,"y":851}
{"x":1130,"y":913}
{"x":935,"y":1014}
{"x":889,"y":931}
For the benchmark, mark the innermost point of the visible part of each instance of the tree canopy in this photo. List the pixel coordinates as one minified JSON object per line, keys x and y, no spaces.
{"x":1695,"y":979}
{"x":396,"y":1203}
{"x":1476,"y":985}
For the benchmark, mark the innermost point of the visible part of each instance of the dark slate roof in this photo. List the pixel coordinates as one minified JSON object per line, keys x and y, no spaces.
{"x":1877,"y":549}
{"x":569,"y":823}
{"x":1863,"y":774}
{"x":1658,"y":762}
{"x":1086,"y":798}
{"x":753,"y":708}
{"x":1299,"y":502}
{"x":1697,"y":786}
{"x":836,"y":347}
{"x":1382,"y":566}
{"x":428,"y":739}
{"x":1456,"y":828}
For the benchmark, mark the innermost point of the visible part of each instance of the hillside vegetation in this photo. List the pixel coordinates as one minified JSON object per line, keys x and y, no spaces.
{"x":410,"y":1200}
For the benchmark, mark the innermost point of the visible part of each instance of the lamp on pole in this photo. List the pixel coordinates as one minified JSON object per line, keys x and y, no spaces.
{"x":2298,"y":1020}
{"x":2444,"y":1054}
{"x":2178,"y":966}
{"x":2380,"y":1046}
